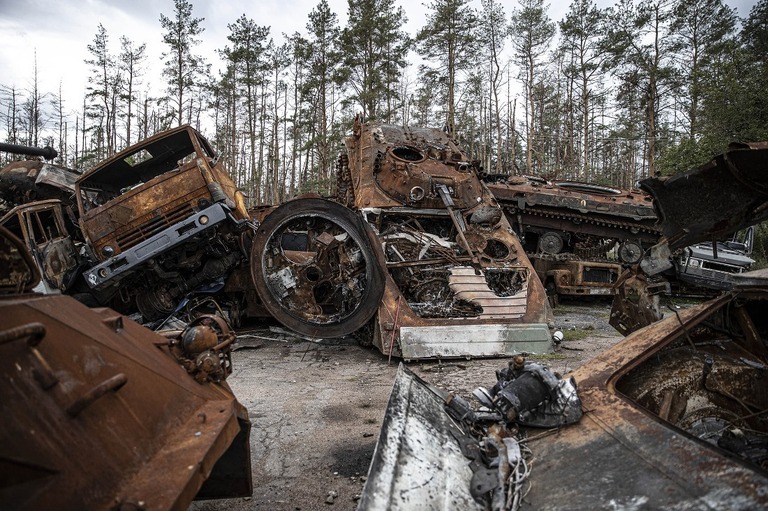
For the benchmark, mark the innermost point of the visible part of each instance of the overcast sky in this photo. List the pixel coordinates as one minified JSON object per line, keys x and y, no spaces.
{"x":59,"y":31}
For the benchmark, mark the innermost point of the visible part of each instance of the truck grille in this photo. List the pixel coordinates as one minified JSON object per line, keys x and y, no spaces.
{"x":599,"y":275}
{"x":160,"y":222}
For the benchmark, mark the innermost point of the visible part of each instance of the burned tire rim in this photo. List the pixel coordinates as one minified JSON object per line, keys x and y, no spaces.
{"x":314,"y":269}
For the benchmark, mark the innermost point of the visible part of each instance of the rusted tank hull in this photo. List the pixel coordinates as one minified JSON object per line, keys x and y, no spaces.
{"x":100,"y":417}
{"x":537,"y":207}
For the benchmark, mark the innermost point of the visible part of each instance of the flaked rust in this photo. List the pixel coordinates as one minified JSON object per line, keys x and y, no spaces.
{"x":102,"y":415}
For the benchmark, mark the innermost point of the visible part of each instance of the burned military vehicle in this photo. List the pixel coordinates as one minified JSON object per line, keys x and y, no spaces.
{"x":160,"y":220}
{"x":415,"y":255}
{"x":675,"y":415}
{"x":578,"y":235}
{"x":101,"y":413}
{"x":31,"y":180}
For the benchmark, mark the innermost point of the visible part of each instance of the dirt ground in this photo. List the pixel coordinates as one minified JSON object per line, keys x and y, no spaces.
{"x":316,"y":408}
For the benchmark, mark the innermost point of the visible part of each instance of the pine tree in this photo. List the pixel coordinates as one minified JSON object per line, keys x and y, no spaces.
{"x":100,"y":92}
{"x":449,"y":40}
{"x":323,"y":60}
{"x":374,"y":49}
{"x":130,"y":63}
{"x":582,"y":44}
{"x":183,"y":68}
{"x":532,"y":32}
{"x":643,"y":52}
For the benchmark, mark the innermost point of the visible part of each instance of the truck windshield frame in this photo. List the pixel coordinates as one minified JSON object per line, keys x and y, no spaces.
{"x":139,"y":164}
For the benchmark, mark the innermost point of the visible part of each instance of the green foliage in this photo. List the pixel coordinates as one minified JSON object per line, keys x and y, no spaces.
{"x":374,"y":49}
{"x":760,"y":249}
{"x":449,"y":40}
{"x":182,"y":67}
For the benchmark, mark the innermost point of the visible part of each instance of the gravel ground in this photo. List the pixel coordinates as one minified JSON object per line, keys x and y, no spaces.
{"x":316,"y":408}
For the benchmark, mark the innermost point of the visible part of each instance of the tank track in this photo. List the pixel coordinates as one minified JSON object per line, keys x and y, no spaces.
{"x":633,"y":228}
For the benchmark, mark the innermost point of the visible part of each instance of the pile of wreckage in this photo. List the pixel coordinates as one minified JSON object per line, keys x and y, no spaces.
{"x":419,"y":255}
{"x":675,"y":416}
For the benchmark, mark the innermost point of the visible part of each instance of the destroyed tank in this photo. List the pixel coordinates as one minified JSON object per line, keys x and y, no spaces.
{"x":414,"y":255}
{"x":30,"y":180}
{"x":556,"y":217}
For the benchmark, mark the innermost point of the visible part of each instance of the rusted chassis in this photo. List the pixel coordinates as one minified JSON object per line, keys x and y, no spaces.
{"x":538,"y":206}
{"x":99,"y":415}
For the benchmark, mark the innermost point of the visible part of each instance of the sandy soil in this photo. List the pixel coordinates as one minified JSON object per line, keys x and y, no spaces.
{"x":316,"y":408}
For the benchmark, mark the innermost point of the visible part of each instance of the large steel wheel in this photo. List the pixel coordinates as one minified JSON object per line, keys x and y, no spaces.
{"x":314,"y":268}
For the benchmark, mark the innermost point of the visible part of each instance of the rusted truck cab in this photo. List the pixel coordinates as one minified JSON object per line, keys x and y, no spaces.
{"x":42,"y":226}
{"x":163,"y":213}
{"x":574,"y":277}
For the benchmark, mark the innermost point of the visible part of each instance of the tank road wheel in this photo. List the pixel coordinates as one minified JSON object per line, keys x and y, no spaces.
{"x":314,"y":268}
{"x":630,"y":252}
{"x":551,"y":243}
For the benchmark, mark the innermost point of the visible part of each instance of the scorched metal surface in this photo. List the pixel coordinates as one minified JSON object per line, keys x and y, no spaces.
{"x":98,"y":414}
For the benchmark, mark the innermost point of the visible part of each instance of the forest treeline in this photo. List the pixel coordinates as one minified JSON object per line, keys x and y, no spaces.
{"x":603,"y":95}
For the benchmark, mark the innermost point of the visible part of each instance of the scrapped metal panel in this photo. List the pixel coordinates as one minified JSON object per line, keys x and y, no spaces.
{"x":631,"y":449}
{"x":99,"y":415}
{"x":623,"y":456}
{"x":715,"y":200}
{"x":463,"y":340}
{"x":417,"y":463}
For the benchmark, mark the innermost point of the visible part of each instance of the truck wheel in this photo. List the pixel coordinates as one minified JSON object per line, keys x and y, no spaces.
{"x":314,"y":269}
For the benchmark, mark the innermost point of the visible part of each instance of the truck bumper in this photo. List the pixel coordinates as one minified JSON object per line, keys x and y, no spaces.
{"x":118,"y":267}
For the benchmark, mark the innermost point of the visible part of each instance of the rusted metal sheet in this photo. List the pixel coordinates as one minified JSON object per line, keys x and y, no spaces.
{"x":715,"y":200}
{"x":646,"y":402}
{"x":674,"y":417}
{"x":101,"y":414}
